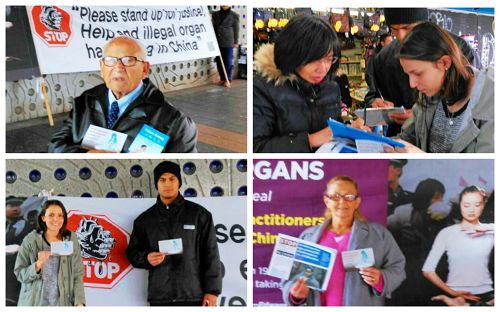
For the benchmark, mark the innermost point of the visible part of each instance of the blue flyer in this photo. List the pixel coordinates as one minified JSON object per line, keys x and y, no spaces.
{"x":149,"y":140}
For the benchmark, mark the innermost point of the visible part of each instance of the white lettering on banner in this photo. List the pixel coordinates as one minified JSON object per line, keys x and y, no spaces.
{"x":100,"y":270}
{"x":288,"y":242}
{"x":169,"y":34}
{"x":263,"y":197}
{"x":229,"y":215}
{"x":304,"y":170}
{"x":267,"y":284}
{"x":54,"y":36}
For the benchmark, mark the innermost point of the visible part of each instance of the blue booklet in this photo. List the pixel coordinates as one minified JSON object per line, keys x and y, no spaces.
{"x":342,"y":131}
{"x":149,"y":140}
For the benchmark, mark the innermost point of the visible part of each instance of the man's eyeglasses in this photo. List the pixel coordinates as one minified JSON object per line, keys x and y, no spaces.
{"x":127,"y":61}
{"x":338,"y":197}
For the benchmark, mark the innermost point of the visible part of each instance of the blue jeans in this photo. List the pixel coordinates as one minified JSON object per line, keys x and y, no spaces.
{"x":227,"y":57}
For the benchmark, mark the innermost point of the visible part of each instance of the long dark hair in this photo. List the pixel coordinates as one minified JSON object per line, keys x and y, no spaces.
{"x":303,"y":40}
{"x":425,"y":191}
{"x":42,"y":227}
{"x":429,"y":42}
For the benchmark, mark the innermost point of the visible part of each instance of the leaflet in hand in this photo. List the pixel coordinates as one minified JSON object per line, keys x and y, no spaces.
{"x":64,"y":248}
{"x":343,"y":131}
{"x":295,"y":258}
{"x":369,"y":146}
{"x":149,"y":140}
{"x":358,"y":259}
{"x":379,"y":115}
{"x":171,"y":246}
{"x":103,"y":139}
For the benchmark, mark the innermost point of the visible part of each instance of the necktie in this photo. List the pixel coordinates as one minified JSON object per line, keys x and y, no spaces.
{"x":113,"y":114}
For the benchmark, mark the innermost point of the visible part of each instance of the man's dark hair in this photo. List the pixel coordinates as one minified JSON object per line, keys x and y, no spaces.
{"x":400,"y":163}
{"x":303,"y":40}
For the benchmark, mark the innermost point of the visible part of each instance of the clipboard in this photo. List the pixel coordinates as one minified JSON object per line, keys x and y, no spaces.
{"x":342,"y":131}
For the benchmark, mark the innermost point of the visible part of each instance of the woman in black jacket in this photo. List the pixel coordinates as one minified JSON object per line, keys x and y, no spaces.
{"x":294,"y":93}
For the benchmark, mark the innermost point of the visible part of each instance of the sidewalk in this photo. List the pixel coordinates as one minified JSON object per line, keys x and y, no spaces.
{"x":220,"y":114}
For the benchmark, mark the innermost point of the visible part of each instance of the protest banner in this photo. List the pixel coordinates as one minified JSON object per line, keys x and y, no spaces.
{"x":70,"y":39}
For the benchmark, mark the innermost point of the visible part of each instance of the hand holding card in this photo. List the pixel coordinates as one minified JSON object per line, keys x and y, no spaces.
{"x":64,"y":248}
{"x":171,"y":246}
{"x":357,"y":259}
{"x":102,"y":139}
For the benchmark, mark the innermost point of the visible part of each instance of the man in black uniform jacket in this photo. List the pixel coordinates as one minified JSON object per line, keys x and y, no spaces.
{"x":396,"y":196}
{"x":193,"y":277}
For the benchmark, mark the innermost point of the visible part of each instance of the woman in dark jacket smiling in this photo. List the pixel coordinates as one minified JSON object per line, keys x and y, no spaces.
{"x":294,"y":93}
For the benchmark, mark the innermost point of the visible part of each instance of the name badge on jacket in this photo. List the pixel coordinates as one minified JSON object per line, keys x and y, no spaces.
{"x":189,"y":227}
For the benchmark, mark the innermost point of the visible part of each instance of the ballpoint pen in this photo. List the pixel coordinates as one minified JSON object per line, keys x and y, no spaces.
{"x":381,"y":96}
{"x":364,"y":115}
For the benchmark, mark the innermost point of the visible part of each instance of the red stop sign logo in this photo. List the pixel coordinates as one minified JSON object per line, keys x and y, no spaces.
{"x":52,"y":24}
{"x":103,"y":245}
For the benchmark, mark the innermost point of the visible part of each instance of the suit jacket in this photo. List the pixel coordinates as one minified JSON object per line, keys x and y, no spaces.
{"x":227,"y":28}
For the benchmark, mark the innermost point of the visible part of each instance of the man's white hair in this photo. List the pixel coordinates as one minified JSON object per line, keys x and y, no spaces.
{"x":130,"y":40}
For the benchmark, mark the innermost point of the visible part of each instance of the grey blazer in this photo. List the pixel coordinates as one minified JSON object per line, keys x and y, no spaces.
{"x":226,"y":31}
{"x":388,"y":258}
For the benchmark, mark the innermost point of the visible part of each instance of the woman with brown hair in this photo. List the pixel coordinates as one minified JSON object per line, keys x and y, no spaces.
{"x":49,"y":279}
{"x":454,"y":109}
{"x":346,"y":229}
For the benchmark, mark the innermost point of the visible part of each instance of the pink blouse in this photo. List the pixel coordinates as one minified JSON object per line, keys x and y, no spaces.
{"x":335,"y":290}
